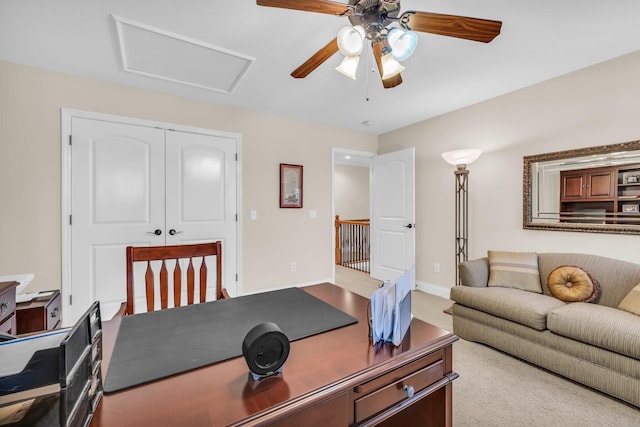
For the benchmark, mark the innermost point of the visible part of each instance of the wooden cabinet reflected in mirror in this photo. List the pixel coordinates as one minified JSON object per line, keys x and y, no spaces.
{"x":595,"y":189}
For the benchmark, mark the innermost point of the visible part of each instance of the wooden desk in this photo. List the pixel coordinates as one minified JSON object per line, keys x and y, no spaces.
{"x":39,"y":314}
{"x":335,"y":378}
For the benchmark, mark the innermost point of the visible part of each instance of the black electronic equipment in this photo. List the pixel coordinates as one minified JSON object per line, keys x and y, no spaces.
{"x":265,"y":349}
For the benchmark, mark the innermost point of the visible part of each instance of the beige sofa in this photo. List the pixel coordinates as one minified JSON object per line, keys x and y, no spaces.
{"x":595,"y":344}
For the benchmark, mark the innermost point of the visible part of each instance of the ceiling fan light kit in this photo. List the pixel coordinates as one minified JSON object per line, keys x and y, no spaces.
{"x":351,"y":40}
{"x":348,"y":66}
{"x":403,"y":43}
{"x":373,"y":20}
{"x":387,"y":65}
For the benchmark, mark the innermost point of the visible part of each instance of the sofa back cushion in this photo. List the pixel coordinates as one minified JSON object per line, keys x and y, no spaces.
{"x":616,"y":278}
{"x":474,"y":273}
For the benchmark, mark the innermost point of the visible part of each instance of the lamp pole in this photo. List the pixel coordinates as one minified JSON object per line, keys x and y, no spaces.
{"x":462,"y":217}
{"x":460,"y":159}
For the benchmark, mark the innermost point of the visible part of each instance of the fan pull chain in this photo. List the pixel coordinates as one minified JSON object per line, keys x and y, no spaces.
{"x":367,"y":98}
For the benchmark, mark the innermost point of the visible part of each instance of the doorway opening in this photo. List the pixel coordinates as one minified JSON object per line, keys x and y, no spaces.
{"x":351,"y":199}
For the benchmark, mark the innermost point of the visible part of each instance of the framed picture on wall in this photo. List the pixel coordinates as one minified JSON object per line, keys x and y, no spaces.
{"x":290,"y":186}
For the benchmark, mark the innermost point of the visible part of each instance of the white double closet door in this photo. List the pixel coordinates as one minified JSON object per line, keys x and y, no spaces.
{"x":135,"y":185}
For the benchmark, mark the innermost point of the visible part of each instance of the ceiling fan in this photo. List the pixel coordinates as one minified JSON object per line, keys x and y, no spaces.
{"x":374,"y":20}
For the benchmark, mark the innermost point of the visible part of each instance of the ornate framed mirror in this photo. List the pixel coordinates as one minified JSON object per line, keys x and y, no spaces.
{"x":595,"y":190}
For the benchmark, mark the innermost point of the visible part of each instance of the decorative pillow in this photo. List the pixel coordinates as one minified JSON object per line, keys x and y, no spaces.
{"x":569,"y":283}
{"x":631,"y":302}
{"x":517,"y":270}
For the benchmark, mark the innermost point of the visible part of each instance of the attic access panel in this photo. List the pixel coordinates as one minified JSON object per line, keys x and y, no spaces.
{"x":154,"y":52}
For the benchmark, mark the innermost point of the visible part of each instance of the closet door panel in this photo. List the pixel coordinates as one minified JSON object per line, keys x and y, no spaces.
{"x":117,"y":188}
{"x":201,"y":196}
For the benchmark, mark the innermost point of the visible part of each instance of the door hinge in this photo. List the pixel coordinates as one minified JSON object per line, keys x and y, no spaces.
{"x":236,"y":157}
{"x":70,"y":140}
{"x":70,"y":219}
{"x":236,"y":277}
{"x":70,"y":299}
{"x":236,"y":217}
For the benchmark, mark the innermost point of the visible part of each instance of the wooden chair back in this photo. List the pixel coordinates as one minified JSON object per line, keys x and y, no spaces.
{"x":177,"y":252}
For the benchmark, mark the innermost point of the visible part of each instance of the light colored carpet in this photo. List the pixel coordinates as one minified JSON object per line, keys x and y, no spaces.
{"x":495,"y":389}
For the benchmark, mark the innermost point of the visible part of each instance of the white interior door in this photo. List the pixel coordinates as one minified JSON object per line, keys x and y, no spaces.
{"x":143,"y":186}
{"x":393,"y":214}
{"x":201,"y":197}
{"x":117,"y":200}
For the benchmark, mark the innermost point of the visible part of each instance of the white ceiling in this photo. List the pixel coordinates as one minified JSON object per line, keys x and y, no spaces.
{"x":540,"y":39}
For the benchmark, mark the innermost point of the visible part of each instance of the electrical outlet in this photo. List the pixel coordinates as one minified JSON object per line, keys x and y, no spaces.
{"x":254,"y":215}
{"x":293,"y":266}
{"x":436,"y":267}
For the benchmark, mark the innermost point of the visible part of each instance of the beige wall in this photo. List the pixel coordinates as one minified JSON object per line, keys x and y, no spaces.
{"x":594,"y":106}
{"x":351,"y":191}
{"x":30,"y":165}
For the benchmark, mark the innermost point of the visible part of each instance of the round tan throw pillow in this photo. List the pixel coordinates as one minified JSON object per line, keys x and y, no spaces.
{"x":569,"y":283}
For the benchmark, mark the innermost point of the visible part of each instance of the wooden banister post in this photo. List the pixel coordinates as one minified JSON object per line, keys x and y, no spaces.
{"x":337,"y":225}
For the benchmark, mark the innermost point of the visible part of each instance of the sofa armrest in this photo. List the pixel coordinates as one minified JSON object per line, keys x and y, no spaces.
{"x":474,"y":273}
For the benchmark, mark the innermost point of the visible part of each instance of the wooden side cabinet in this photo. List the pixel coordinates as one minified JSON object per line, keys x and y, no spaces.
{"x":588,"y":185}
{"x":39,"y":314}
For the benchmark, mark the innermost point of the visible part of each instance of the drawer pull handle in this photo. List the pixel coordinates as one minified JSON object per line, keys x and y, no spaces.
{"x":409,"y":390}
{"x":4,"y":307}
{"x":54,"y":313}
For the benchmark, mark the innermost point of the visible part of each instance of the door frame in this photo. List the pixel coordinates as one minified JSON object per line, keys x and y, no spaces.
{"x":66,"y":116}
{"x":343,"y":151}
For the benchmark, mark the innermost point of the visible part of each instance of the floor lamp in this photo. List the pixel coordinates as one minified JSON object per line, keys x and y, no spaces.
{"x":460,"y":159}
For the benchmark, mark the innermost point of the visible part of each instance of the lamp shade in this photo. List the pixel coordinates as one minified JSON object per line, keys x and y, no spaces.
{"x":390,"y":67}
{"x":348,"y":66}
{"x":350,"y":41}
{"x":464,"y":156}
{"x":403,"y":43}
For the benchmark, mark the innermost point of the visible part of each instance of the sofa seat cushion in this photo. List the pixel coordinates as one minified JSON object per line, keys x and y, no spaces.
{"x":527,"y":308}
{"x":601,"y":326}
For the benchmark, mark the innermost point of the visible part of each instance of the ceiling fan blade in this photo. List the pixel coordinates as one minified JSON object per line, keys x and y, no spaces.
{"x":391,"y":81}
{"x":316,"y":59}
{"x":319,"y":6}
{"x":480,"y":30}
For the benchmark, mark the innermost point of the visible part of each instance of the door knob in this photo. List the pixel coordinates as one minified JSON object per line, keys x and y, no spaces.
{"x":173,"y":232}
{"x":157,"y":232}
{"x":409,"y":225}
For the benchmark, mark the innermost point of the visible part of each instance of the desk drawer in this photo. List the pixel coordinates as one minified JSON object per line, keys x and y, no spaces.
{"x":8,"y":325}
{"x":393,"y":392}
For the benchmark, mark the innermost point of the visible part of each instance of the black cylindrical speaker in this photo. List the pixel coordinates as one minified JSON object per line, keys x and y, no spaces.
{"x":265,"y":349}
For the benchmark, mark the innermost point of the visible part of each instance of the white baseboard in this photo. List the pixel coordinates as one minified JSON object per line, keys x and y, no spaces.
{"x":432,"y":289}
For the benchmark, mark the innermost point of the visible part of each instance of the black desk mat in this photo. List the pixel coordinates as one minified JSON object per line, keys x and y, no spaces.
{"x":154,"y":345}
